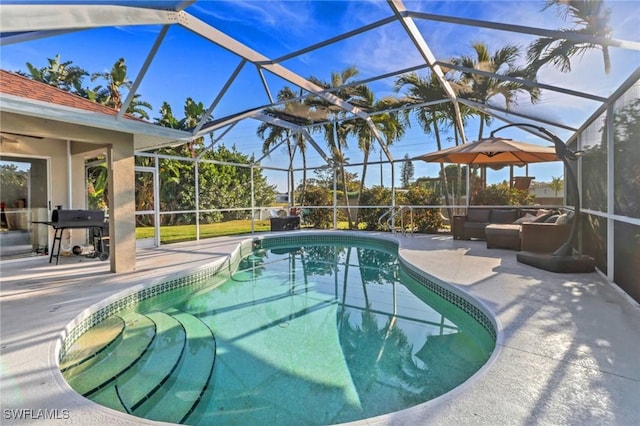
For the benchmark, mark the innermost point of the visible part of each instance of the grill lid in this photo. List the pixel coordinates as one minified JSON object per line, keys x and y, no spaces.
{"x":77,"y":218}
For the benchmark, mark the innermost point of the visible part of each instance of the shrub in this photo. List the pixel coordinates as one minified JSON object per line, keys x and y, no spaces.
{"x":425,"y":220}
{"x":501,"y":195}
{"x":376,"y":196}
{"x":318,"y":218}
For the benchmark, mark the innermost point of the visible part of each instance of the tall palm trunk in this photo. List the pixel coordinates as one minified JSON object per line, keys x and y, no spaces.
{"x":346,"y":195}
{"x":339,"y":157}
{"x":447,"y":200}
{"x":292,"y":189}
{"x":364,"y":175}
{"x":481,"y":129}
{"x":304,"y":178}
{"x":304,"y":168}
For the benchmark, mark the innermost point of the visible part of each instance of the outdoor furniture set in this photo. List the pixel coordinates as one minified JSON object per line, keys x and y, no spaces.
{"x":281,"y":221}
{"x":526,"y":229}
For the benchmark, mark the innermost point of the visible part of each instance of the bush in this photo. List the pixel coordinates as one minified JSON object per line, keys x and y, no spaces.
{"x":501,"y":195}
{"x":376,"y":196}
{"x":318,"y":218}
{"x":425,"y":220}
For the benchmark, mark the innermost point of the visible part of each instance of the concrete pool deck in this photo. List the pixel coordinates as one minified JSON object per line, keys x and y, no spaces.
{"x":569,"y":353}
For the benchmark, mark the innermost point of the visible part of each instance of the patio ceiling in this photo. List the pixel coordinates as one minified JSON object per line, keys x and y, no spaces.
{"x":24,"y":23}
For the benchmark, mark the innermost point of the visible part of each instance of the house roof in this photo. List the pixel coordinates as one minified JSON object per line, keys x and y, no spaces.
{"x":18,"y":85}
{"x":22,"y":95}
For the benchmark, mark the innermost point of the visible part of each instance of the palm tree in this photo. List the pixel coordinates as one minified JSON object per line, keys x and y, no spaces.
{"x":336,"y":134}
{"x":391,"y":125}
{"x":112,"y":96}
{"x":419,"y":90}
{"x":116,"y":80}
{"x":167,"y":119}
{"x":272,"y":135}
{"x":193,"y":113}
{"x":590,"y":17}
{"x":557,"y":183}
{"x":62,"y":75}
{"x":481,"y":88}
{"x":336,"y":137}
{"x":139,"y":108}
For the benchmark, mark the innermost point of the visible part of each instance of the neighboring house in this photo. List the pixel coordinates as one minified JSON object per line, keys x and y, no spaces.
{"x":282,"y":198}
{"x":545,"y":194}
{"x":53,"y":132}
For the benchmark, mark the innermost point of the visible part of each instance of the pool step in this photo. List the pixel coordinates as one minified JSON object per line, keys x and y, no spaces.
{"x":108,"y":396}
{"x":179,"y":395}
{"x":154,"y":368}
{"x":90,"y":376}
{"x":89,"y":345}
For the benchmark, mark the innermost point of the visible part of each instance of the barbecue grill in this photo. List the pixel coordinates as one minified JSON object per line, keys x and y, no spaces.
{"x":78,"y":219}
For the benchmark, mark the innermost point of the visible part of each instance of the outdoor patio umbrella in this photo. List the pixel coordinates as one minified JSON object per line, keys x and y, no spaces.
{"x":493,"y":151}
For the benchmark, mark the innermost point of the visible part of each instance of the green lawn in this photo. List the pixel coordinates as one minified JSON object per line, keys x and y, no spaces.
{"x":179,"y":233}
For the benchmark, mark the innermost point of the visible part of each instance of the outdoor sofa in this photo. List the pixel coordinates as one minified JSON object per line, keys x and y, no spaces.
{"x":526,"y":229}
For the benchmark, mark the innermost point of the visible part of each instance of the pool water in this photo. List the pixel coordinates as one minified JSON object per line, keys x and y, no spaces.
{"x":319,"y":334}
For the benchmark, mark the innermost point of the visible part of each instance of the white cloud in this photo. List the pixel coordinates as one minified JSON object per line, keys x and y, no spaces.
{"x":383,"y":50}
{"x":279,"y":16}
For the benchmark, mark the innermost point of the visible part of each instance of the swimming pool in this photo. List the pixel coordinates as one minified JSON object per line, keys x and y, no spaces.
{"x":289,"y":330}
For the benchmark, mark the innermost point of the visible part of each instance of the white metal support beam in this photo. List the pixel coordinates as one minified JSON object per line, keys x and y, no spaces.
{"x":223,"y":122}
{"x":265,"y":155}
{"x":7,"y":40}
{"x":217,"y":139}
{"x":523,"y":128}
{"x":315,"y":145}
{"x":377,"y":135}
{"x":386,"y":111}
{"x":17,"y":18}
{"x":227,"y":84}
{"x":184,"y":4}
{"x":232,"y":45}
{"x":295,"y":128}
{"x":487,"y":108}
{"x":334,"y":39}
{"x":524,"y":82}
{"x":264,"y":84}
{"x":143,"y":70}
{"x":422,"y":46}
{"x":554,"y":34}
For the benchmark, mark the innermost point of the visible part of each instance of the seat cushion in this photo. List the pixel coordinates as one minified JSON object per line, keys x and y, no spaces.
{"x":503,"y":216}
{"x":479,"y":215}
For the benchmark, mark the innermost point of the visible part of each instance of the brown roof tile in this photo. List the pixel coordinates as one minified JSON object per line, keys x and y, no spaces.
{"x":17,"y":85}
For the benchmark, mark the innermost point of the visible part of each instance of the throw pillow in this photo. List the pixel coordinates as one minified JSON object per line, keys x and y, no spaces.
{"x":562,"y":219}
{"x":543,"y":218}
{"x":552,"y":218}
{"x":527,"y":218}
{"x":542,"y":212}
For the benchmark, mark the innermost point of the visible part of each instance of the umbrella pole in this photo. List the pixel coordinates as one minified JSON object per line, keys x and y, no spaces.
{"x":511,"y":176}
{"x":468,"y":186}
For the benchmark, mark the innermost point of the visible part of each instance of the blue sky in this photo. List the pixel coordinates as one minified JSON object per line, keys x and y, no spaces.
{"x":188,"y":66}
